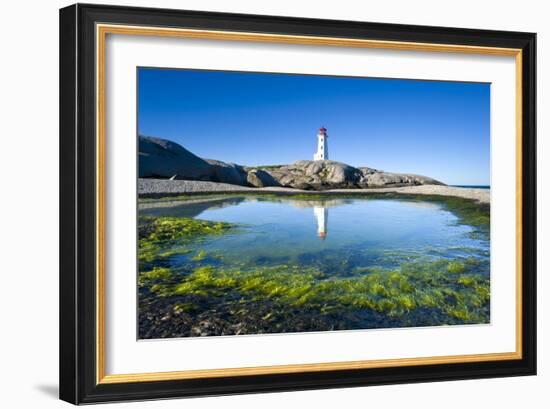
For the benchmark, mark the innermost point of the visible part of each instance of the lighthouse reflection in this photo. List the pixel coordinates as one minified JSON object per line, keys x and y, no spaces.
{"x":201,"y":206}
{"x":321,"y":214}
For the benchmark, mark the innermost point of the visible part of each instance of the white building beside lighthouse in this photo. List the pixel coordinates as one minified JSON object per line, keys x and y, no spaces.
{"x":322,"y":145}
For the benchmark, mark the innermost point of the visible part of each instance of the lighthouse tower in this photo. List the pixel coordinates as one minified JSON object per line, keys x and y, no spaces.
{"x":322,"y":145}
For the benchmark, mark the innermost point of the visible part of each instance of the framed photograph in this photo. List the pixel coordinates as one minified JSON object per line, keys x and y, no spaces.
{"x":257,"y":203}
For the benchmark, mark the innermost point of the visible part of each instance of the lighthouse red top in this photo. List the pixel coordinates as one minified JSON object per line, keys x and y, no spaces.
{"x":323,"y":130}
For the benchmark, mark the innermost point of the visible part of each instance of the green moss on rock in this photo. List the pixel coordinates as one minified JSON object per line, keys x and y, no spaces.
{"x":162,"y":237}
{"x":395,"y":293}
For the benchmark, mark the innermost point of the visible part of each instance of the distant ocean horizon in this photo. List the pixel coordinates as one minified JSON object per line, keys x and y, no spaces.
{"x":473,"y":186}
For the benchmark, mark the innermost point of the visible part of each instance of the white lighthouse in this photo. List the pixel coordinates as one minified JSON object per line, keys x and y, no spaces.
{"x":322,"y":145}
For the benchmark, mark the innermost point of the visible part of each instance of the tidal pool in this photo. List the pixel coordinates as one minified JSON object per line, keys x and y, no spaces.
{"x":248,"y":264}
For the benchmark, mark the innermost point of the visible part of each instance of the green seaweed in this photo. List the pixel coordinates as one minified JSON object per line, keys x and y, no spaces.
{"x":156,"y":276}
{"x":174,"y":252}
{"x":456,"y":267}
{"x":163,"y":237}
{"x":201,"y":255}
{"x":180,"y":307}
{"x":462,"y":297}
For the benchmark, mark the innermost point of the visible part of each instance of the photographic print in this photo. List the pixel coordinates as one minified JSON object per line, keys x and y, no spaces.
{"x":289,"y":203}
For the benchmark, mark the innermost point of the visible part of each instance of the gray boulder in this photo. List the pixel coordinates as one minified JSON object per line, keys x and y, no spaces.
{"x":160,"y":158}
{"x":367,"y":171}
{"x":385,"y":179}
{"x":317,"y":175}
{"x":227,"y":173}
{"x":261,"y":178}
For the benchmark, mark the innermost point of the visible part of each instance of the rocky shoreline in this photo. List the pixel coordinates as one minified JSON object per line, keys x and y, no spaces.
{"x":164,"y":188}
{"x":164,"y":159}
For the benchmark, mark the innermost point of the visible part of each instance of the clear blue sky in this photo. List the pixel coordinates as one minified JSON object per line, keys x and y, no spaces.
{"x":434,"y":128}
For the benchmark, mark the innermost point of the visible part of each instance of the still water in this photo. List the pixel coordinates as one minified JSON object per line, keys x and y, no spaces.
{"x":442,"y":264}
{"x":349,"y":232}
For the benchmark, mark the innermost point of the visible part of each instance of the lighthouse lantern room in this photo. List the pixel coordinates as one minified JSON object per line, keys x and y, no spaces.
{"x":322,"y":145}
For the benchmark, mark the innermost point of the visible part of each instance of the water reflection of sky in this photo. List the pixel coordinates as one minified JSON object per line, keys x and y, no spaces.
{"x":287,"y":229}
